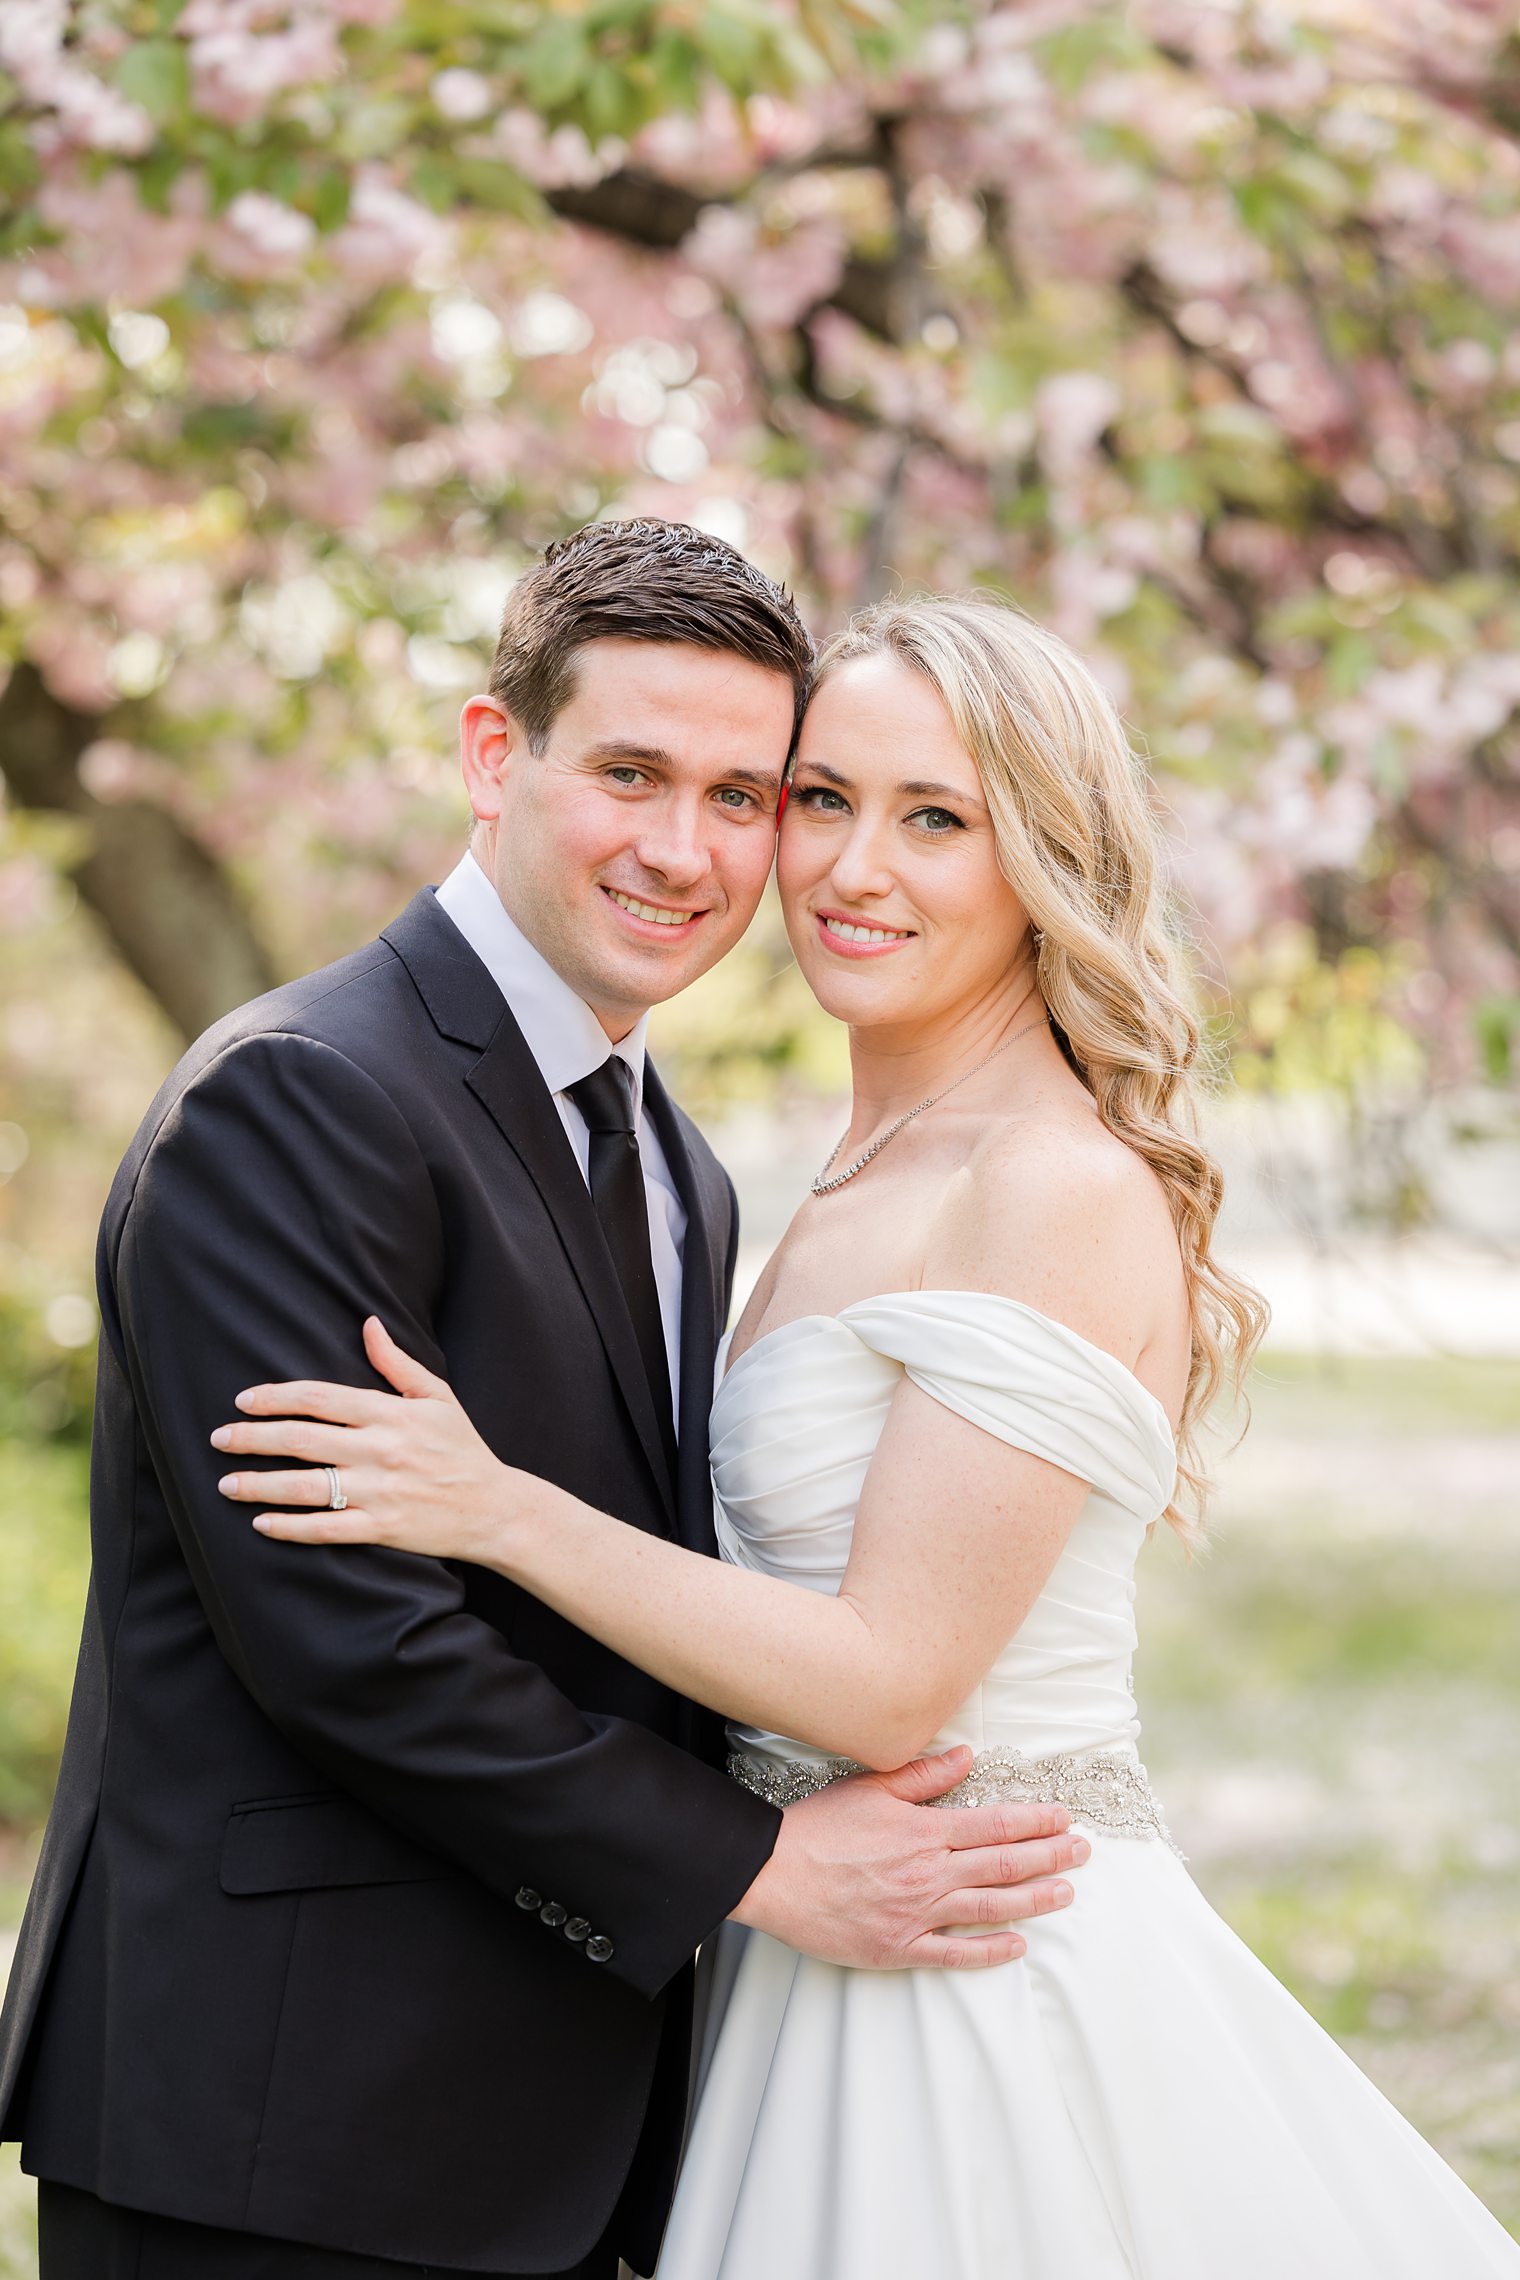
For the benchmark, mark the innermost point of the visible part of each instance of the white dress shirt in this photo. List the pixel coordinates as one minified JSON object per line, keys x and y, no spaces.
{"x":568,"y":1043}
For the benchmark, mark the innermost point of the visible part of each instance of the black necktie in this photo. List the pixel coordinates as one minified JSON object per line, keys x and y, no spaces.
{"x":605,"y":1100}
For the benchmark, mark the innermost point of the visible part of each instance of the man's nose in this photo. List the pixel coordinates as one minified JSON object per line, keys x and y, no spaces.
{"x":673,"y":846}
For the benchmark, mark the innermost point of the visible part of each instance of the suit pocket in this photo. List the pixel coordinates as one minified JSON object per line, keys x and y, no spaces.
{"x":300,"y":1844}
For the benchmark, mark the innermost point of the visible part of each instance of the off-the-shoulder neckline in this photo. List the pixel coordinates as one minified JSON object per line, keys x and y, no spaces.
{"x":1021,"y":1306}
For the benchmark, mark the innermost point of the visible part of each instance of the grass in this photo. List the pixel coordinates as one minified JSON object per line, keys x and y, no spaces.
{"x":1330,"y":1701}
{"x":1331,"y":1695}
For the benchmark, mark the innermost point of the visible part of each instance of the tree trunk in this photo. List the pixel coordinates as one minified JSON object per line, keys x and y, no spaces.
{"x":168,"y":907}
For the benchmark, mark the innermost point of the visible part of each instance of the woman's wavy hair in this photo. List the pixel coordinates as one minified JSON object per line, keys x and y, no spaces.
{"x":1078,"y":841}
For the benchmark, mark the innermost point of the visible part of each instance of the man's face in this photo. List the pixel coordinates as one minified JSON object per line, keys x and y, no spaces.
{"x":633,"y":849}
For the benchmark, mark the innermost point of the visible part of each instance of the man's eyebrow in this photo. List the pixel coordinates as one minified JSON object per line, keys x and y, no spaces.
{"x":764,"y":779}
{"x":618,"y":748}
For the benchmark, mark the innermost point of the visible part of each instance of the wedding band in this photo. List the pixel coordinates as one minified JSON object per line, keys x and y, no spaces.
{"x":336,"y":1500}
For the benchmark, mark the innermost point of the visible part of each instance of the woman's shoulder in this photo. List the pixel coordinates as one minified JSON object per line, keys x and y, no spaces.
{"x":1055,"y":1210}
{"x":1065,"y":1164}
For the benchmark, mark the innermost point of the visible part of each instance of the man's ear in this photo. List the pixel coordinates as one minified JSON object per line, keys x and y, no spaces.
{"x":488,"y":739}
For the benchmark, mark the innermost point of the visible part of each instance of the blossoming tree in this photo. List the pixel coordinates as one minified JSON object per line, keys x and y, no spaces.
{"x":1193,"y":327}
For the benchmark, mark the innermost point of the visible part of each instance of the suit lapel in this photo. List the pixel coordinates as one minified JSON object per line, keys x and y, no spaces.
{"x":704,"y":1193}
{"x":466,"y":1005}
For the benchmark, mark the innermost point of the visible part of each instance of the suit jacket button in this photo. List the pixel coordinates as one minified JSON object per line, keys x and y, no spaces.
{"x":552,"y":1914}
{"x":577,"y":1929}
{"x":528,"y":1899}
{"x":598,"y":1947}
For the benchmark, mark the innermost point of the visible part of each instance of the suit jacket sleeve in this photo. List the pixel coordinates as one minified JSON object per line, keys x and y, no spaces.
{"x":284,"y":1198}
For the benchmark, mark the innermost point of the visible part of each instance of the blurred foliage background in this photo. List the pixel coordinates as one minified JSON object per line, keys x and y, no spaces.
{"x":1189,"y":323}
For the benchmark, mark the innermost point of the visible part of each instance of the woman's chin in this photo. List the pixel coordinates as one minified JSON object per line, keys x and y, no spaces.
{"x":861,"y":998}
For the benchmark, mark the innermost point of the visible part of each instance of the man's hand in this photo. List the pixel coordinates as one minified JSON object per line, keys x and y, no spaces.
{"x":863,"y":1875}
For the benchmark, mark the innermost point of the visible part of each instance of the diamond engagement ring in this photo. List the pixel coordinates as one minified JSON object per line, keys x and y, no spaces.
{"x":336,"y":1500}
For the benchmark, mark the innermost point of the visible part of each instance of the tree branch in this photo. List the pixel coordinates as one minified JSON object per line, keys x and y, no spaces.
{"x":166,"y":904}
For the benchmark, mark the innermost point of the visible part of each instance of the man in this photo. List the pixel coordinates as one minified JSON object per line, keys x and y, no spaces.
{"x":361,"y":1934}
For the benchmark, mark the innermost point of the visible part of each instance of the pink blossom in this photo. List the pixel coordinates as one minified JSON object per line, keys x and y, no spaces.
{"x":85,"y":109}
{"x":776,"y":281}
{"x":1072,"y":409}
{"x":387,"y":233}
{"x":261,"y":238}
{"x":462,"y":95}
{"x":239,"y":66}
{"x":114,"y":248}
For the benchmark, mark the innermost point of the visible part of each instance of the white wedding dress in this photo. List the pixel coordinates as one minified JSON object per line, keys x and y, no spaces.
{"x":1135,"y":2096}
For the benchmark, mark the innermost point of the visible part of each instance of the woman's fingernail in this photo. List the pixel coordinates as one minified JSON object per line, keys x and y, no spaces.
{"x":1081,"y":1850}
{"x":243,"y":1401}
{"x":221,"y":1437}
{"x":1062,"y":1894}
{"x":228,"y":1484}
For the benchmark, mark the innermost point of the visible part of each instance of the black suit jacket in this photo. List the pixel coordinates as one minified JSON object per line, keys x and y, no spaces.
{"x":370,"y":1882}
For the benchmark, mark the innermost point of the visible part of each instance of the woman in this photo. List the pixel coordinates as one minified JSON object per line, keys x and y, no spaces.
{"x":965,"y":1388}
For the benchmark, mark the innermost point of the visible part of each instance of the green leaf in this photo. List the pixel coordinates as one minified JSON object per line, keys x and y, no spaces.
{"x":677,"y":70}
{"x":732,"y":45}
{"x":1269,"y":212}
{"x":610,"y":101}
{"x":1350,"y":659}
{"x":156,"y":73}
{"x":157,"y":175}
{"x":329,"y":199}
{"x":230,"y":171}
{"x":486,"y":182}
{"x":1496,"y":1023}
{"x":19,"y":171}
{"x":554,"y":64}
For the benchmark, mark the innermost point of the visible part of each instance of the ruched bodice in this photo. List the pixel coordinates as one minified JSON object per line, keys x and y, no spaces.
{"x":794,"y":1428}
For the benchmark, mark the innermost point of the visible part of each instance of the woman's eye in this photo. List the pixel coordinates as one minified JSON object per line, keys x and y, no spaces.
{"x":936,"y":821}
{"x":820,"y":799}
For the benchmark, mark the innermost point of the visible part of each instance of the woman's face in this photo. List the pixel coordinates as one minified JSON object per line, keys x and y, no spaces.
{"x":887,"y":831}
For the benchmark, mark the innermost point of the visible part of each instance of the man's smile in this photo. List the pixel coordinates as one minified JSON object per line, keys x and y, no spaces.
{"x":662,"y":917}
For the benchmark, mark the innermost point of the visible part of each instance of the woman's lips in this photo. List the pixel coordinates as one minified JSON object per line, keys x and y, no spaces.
{"x":863,"y":940}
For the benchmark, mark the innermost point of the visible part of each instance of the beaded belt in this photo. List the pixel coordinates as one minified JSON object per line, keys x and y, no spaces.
{"x":1101,"y":1787}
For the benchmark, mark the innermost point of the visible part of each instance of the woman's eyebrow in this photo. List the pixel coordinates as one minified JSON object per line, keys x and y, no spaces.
{"x":911,"y":791}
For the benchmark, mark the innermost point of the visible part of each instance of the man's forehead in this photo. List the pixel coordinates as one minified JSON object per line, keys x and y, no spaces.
{"x":678,"y":709}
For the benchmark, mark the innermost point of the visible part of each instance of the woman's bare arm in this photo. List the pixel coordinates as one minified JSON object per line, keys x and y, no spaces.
{"x":955,"y":1535}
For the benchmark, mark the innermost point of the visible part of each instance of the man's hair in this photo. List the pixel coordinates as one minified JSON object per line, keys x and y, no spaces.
{"x":639,"y":581}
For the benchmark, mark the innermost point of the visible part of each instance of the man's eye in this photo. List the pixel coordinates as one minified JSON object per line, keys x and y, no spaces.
{"x":626,"y":775}
{"x":733,"y":797}
{"x":936,"y":821}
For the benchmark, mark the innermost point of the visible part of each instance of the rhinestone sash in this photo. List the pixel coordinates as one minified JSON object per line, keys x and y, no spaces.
{"x":1102,"y":1788}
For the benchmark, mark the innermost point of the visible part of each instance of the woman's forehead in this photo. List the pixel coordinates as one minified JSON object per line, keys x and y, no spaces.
{"x":875,"y":715}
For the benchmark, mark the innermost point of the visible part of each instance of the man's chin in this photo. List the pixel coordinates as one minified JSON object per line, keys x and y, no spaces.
{"x":659,"y":975}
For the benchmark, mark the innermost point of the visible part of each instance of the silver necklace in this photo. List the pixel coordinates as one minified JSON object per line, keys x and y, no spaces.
{"x":823,"y":1185}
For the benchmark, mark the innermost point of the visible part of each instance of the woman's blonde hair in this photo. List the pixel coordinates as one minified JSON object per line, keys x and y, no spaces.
{"x":1078,"y":842}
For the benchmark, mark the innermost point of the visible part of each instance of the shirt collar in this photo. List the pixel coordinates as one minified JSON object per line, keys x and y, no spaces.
{"x":560,"y":1029}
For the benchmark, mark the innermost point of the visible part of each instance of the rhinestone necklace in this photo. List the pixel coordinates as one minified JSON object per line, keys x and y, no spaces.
{"x":823,"y":1185}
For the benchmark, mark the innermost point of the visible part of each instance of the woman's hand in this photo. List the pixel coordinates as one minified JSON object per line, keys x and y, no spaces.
{"x":416,"y":1474}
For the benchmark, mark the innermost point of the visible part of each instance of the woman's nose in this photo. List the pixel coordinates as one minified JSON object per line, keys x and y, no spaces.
{"x":860,"y":865}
